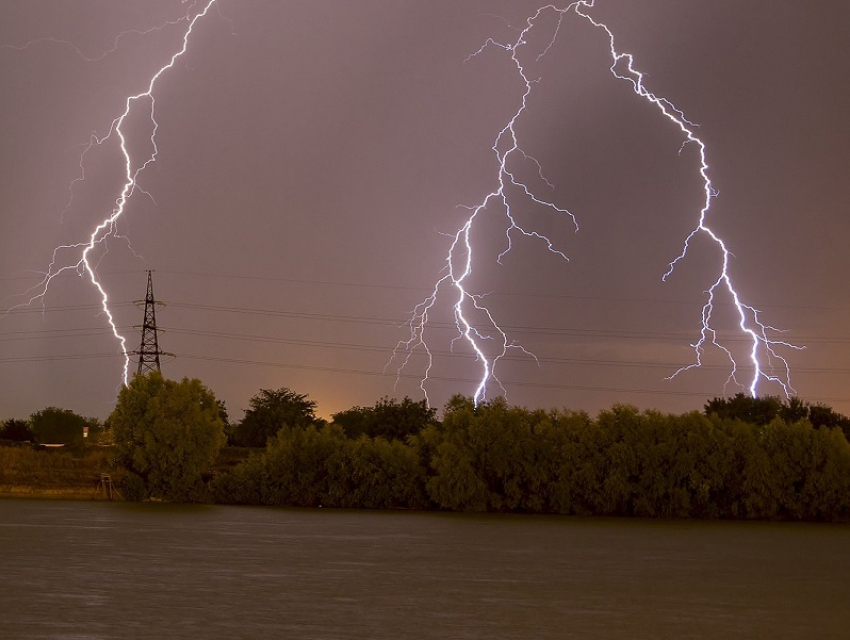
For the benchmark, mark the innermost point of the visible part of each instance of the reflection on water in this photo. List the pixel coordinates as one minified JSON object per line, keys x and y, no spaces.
{"x":96,"y":570}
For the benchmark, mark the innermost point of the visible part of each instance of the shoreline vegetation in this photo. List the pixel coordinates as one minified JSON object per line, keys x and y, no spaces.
{"x":742,"y":458}
{"x":72,"y":473}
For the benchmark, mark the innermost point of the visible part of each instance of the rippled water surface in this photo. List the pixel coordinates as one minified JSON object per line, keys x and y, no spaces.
{"x":97,"y":570}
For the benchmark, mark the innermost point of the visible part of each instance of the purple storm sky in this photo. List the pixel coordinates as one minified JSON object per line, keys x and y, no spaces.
{"x":313,"y":158}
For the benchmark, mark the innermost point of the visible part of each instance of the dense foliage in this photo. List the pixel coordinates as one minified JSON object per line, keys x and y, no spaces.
{"x":322,"y":467}
{"x":762,"y":411}
{"x":495,"y":457}
{"x":167,"y":434}
{"x":388,"y":419}
{"x":59,"y":469}
{"x":742,"y":457}
{"x":59,"y":426}
{"x":268,"y":412}
{"x":16,"y":431}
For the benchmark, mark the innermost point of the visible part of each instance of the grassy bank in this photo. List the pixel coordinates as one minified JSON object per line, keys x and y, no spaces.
{"x":55,"y":473}
{"x":75,"y":474}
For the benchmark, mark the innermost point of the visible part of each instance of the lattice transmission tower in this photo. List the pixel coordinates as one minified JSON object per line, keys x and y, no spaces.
{"x":149,"y":351}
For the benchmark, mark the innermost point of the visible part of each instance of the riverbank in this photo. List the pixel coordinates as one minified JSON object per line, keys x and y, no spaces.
{"x":66,"y":474}
{"x":53,"y":493}
{"x":85,"y":474}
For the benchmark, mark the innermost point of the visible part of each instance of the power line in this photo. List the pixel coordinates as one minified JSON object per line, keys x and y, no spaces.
{"x":63,"y":308}
{"x":588,"y":362}
{"x":362,"y":372}
{"x":529,"y":329}
{"x":21,"y":336}
{"x":400,"y":323}
{"x":367,"y":285}
{"x":466,"y":355}
{"x":543,"y":385}
{"x":385,"y":349}
{"x":55,"y":358}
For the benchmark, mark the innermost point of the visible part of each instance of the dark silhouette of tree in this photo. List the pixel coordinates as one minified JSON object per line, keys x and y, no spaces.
{"x":794,"y":410}
{"x":16,"y":430}
{"x":762,"y":411}
{"x":222,"y":413}
{"x":757,"y":411}
{"x":388,"y":419}
{"x":269,"y":411}
{"x":823,"y":416}
{"x":58,"y":426}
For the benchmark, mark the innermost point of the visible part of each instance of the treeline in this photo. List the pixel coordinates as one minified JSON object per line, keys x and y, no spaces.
{"x":624,"y":462}
{"x":741,"y":457}
{"x":52,"y":426}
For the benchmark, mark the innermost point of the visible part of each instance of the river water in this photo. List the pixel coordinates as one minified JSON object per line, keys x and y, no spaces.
{"x":99,"y":570}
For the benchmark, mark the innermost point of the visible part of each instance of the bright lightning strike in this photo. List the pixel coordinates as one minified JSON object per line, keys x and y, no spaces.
{"x":762,"y":346}
{"x":83,"y":257}
{"x":511,"y":193}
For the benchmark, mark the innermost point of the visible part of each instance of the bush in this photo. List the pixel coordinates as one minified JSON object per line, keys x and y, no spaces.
{"x":16,"y":431}
{"x":169,"y":434}
{"x":626,"y":462}
{"x":133,"y":488}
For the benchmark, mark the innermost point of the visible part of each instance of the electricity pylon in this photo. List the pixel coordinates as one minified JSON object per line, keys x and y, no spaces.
{"x":149,"y":350}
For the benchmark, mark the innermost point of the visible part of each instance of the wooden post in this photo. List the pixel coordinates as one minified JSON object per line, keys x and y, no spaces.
{"x":106,"y":487}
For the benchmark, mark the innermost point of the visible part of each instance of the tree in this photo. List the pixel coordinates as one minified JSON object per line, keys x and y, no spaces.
{"x":269,"y":411}
{"x":388,"y":419}
{"x":762,"y":411}
{"x":384,"y":474}
{"x":757,"y":411}
{"x":456,"y":483}
{"x":299,"y":466}
{"x":16,"y":430}
{"x":58,"y":426}
{"x":822,"y":416}
{"x":168,"y":434}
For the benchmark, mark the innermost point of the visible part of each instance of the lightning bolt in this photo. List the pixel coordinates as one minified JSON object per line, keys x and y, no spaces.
{"x":511,"y":193}
{"x":475,"y":324}
{"x":105,"y":53}
{"x":749,"y":324}
{"x":83,"y":253}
